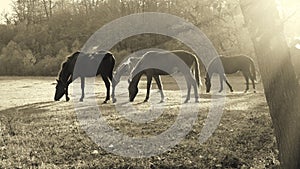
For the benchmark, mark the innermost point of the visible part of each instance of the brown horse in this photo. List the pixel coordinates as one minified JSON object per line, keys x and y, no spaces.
{"x":90,"y":65}
{"x":173,"y":61}
{"x":231,"y":65}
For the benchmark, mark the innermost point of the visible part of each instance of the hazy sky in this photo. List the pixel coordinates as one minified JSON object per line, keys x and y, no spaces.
{"x":5,"y":5}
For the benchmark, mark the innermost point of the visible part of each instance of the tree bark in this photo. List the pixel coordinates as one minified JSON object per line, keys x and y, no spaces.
{"x":279,"y":80}
{"x":46,"y":9}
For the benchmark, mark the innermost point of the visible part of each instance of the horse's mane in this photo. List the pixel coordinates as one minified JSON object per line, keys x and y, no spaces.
{"x":75,"y":54}
{"x":68,"y":59}
{"x":63,"y":66}
{"x":103,"y":52}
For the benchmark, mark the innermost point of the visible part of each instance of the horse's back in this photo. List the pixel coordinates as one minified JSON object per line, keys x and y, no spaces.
{"x":168,"y":62}
{"x":168,"y":57}
{"x":237,"y":63}
{"x":89,"y":65}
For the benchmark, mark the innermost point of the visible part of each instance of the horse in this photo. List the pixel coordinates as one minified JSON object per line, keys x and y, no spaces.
{"x":86,"y":67}
{"x":123,"y":69}
{"x":231,"y":65}
{"x":172,"y":61}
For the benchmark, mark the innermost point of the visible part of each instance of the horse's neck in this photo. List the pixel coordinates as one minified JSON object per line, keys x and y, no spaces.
{"x":137,"y":68}
{"x":120,"y":72}
{"x":64,"y":77}
{"x":64,"y":74}
{"x":209,"y":73}
{"x":135,"y":80}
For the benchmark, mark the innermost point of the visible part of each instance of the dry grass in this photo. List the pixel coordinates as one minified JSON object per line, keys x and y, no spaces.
{"x":47,"y":134}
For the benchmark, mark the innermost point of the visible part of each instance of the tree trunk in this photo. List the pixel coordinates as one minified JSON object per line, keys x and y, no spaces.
{"x":279,"y":80}
{"x":46,"y":9}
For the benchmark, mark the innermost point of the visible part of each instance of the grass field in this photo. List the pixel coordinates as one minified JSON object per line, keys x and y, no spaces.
{"x":36,"y":132}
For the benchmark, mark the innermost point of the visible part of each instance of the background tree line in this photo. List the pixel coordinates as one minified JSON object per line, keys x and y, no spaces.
{"x":39,"y":34}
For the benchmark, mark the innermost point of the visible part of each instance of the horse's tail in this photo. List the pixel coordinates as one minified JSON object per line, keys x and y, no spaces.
{"x":253,"y":69}
{"x":197,"y":72}
{"x":112,"y":59}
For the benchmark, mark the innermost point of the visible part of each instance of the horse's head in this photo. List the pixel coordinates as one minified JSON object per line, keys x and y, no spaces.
{"x":133,"y":90}
{"x":60,"y":90}
{"x":207,"y":84}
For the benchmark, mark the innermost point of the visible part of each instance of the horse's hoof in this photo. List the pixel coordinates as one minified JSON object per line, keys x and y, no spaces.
{"x":197,"y":101}
{"x":162,"y":101}
{"x":254,"y":91}
{"x":81,"y":100}
{"x":67,"y":99}
{"x":104,"y":102}
{"x":114,"y":100}
{"x":231,"y":90}
{"x":220,"y":91}
{"x":186,"y":101}
{"x":145,"y":101}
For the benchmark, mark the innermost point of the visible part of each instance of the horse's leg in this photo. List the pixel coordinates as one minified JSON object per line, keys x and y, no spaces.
{"x":247,"y":84}
{"x":253,"y":83}
{"x":107,"y":85}
{"x":67,"y":88}
{"x":195,"y":86}
{"x":188,"y":96}
{"x":114,"y":84}
{"x":71,"y":79}
{"x":228,"y":84}
{"x":159,"y":85}
{"x":82,"y":88}
{"x":149,"y":81}
{"x":67,"y":93}
{"x":221,"y":83}
{"x":189,"y":80}
{"x":113,"y":92}
{"x":246,"y":76}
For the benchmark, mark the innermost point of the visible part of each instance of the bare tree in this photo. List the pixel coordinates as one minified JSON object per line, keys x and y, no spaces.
{"x":48,"y":7}
{"x":279,"y":80}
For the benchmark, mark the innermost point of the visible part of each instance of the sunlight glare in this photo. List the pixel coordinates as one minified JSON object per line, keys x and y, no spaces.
{"x":5,"y":5}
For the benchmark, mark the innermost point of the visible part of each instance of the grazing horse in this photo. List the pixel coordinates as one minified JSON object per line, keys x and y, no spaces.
{"x":90,"y":65}
{"x":123,"y":69}
{"x":231,"y":65}
{"x":171,"y":62}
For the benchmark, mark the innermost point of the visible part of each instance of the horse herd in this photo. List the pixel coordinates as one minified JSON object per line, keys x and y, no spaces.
{"x":153,"y":64}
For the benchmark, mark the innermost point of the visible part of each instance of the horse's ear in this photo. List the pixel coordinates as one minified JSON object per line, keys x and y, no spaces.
{"x":57,"y":80}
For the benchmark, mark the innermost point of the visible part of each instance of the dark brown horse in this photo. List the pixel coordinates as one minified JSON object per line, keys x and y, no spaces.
{"x":88,"y":65}
{"x":231,"y":65}
{"x":151,"y":64}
